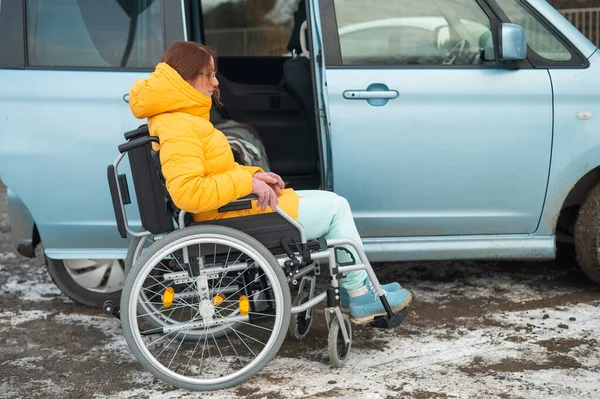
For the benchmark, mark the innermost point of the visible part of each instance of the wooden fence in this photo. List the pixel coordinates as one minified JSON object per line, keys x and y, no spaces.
{"x":587,"y":20}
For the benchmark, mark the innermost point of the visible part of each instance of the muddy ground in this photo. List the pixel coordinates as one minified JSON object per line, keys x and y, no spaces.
{"x":476,"y":330}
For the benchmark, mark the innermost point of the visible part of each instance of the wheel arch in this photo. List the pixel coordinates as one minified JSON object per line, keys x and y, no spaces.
{"x":574,"y":199}
{"x":24,"y":230}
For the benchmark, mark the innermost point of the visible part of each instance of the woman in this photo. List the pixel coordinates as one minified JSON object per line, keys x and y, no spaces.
{"x":201,"y":175}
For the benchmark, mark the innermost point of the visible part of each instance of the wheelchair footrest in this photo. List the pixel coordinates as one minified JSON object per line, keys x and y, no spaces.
{"x":386,"y":321}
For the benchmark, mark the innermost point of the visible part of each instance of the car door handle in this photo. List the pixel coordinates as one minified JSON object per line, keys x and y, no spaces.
{"x":126,"y":97}
{"x":370,"y":94}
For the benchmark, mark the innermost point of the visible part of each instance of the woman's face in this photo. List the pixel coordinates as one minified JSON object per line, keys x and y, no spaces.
{"x":207,"y":81}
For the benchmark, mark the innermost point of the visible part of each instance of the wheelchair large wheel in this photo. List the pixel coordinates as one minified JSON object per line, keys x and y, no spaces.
{"x":155,"y":314}
{"x":136,"y":246}
{"x":232,"y":295}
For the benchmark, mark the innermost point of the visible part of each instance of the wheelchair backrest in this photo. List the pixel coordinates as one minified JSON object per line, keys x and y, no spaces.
{"x":156,"y":213}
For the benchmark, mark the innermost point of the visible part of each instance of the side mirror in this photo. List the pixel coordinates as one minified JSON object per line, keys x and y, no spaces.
{"x":514,"y":45}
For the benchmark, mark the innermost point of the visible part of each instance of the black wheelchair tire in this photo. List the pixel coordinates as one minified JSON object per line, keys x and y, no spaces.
{"x":130,"y":258}
{"x":338,"y":350}
{"x":299,"y":327}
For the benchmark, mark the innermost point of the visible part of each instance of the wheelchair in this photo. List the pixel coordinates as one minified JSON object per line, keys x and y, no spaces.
{"x":206,"y":305}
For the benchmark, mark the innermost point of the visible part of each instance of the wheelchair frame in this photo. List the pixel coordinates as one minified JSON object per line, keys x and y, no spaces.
{"x":277,"y":231}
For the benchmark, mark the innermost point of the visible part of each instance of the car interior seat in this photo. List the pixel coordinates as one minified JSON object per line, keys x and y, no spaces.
{"x":246,"y":144}
{"x":486,"y":47}
{"x":297,"y":79}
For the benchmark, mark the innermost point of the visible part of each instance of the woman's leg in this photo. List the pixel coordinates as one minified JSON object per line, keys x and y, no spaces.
{"x":326,"y":214}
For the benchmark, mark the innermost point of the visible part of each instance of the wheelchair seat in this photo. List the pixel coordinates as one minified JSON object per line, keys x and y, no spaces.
{"x":158,"y":212}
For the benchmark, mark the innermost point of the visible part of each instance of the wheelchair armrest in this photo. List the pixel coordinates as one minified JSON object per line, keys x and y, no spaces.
{"x":139,"y":142}
{"x":239,"y":204}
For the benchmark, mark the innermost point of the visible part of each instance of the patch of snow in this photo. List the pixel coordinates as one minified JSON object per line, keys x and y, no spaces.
{"x":25,"y":363}
{"x":14,"y":319}
{"x":34,"y":385}
{"x":38,"y":289}
{"x":7,"y":256}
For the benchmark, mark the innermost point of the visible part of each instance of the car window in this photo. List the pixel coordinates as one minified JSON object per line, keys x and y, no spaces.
{"x":425,"y":32}
{"x":12,"y":49}
{"x":95,"y":33}
{"x":248,"y":28}
{"x":539,"y":39}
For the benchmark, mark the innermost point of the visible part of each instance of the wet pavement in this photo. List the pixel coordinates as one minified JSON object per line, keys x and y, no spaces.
{"x":475,"y":330}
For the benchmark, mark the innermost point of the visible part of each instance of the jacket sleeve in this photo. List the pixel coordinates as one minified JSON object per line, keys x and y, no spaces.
{"x":182,"y":160}
{"x":250,"y":169}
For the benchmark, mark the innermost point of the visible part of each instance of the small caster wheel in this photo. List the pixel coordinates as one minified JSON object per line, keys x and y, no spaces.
{"x":338,"y":350}
{"x":109,"y":307}
{"x":299,"y":324}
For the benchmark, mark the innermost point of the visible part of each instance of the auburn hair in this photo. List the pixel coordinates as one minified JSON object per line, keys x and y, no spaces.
{"x":191,"y":60}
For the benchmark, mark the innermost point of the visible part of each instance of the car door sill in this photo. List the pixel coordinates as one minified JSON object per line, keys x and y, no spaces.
{"x":460,"y":247}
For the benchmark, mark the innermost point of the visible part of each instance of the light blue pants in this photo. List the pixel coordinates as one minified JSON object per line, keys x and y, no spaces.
{"x":326,"y":214}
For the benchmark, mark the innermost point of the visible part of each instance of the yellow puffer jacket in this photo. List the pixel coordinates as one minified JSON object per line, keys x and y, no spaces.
{"x":197,"y":161}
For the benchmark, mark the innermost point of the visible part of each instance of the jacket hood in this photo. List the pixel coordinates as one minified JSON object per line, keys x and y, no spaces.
{"x":166,"y":91}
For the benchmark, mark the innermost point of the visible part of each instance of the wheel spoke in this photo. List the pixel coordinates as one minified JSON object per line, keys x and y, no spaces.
{"x":206,"y":340}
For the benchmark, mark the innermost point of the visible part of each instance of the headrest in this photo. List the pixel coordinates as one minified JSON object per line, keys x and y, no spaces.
{"x":299,"y":18}
{"x":486,"y":43}
{"x":484,"y":39}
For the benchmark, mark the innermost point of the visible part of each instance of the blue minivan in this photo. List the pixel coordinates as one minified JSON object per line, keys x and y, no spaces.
{"x":455,"y":128}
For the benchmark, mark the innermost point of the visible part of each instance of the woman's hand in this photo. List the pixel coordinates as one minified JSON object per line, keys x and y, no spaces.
{"x":266,"y":195}
{"x":272,"y":179}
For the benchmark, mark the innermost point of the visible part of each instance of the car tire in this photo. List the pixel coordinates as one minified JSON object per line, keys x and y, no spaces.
{"x":587,"y":236}
{"x":108,"y":287}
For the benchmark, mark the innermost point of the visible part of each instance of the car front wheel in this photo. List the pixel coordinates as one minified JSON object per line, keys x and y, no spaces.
{"x":88,"y":281}
{"x":587,"y":235}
